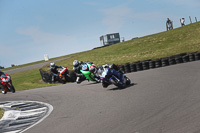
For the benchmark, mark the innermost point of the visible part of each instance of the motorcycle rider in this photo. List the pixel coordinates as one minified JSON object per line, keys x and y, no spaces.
{"x":93,"y":69}
{"x":113,"y":70}
{"x":1,"y":73}
{"x":54,"y":71}
{"x":77,"y":66}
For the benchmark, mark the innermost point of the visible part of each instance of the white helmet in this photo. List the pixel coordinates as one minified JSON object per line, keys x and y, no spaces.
{"x":75,"y":63}
{"x":93,"y":68}
{"x":52,"y":64}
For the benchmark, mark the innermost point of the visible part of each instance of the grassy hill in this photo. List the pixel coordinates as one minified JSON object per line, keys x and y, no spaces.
{"x":181,"y":40}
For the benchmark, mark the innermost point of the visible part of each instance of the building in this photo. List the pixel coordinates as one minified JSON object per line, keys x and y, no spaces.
{"x":110,"y":39}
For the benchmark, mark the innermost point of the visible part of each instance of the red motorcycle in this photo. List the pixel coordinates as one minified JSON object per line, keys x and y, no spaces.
{"x":65,"y":76}
{"x":6,"y":84}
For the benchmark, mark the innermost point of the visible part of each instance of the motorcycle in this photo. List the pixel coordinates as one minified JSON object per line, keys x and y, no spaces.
{"x":90,"y":76}
{"x":6,"y":84}
{"x":65,"y":76}
{"x":110,"y":76}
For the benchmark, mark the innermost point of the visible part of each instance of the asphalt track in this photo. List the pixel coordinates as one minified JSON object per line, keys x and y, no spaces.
{"x":162,"y":100}
{"x":39,"y":65}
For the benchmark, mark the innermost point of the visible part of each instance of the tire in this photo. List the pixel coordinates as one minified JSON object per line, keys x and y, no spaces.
{"x":3,"y":92}
{"x":47,"y":78}
{"x":121,"y":68}
{"x":118,"y":84}
{"x":158,"y":63}
{"x":115,"y":83}
{"x":178,"y":59}
{"x":128,"y":81}
{"x":172,"y":61}
{"x":165,"y":61}
{"x":197,"y":56}
{"x":133,"y":67}
{"x":185,"y":58}
{"x":139,"y":66}
{"x":42,"y":74}
{"x":152,"y":64}
{"x":127,"y":68}
{"x":145,"y":65}
{"x":12,"y":89}
{"x":104,"y":84}
{"x":191,"y":57}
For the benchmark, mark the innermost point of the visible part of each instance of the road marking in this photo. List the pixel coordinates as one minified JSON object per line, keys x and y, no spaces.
{"x":20,"y":116}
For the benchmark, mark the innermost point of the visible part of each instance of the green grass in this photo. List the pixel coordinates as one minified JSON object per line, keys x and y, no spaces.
{"x":181,"y":40}
{"x":28,"y":80}
{"x":1,"y":113}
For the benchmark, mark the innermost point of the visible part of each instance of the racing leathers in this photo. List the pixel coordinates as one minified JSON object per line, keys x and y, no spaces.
{"x":111,"y":70}
{"x":54,"y":72}
{"x":1,"y":73}
{"x":79,"y":75}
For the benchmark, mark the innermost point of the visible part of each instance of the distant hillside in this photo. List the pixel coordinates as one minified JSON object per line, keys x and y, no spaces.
{"x":176,"y":41}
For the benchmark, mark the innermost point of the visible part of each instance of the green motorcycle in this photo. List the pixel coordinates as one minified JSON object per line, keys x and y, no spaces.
{"x":90,"y":76}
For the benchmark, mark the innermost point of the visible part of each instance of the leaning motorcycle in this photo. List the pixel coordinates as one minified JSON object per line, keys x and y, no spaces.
{"x":6,"y":84}
{"x":90,"y":76}
{"x":65,"y":76}
{"x":108,"y":77}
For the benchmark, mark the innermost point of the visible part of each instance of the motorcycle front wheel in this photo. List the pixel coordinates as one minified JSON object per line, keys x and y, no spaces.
{"x":12,"y":88}
{"x":3,"y":92}
{"x":127,"y":80}
{"x":117,"y":83}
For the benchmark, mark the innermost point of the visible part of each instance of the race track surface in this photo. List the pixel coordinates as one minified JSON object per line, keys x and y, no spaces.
{"x":162,"y":100}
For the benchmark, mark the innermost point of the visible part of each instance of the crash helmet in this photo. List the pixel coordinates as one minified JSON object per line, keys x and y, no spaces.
{"x":75,"y":63}
{"x":93,"y":68}
{"x":52,"y":64}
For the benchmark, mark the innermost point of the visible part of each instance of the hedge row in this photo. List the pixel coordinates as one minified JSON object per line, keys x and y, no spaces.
{"x":162,"y":62}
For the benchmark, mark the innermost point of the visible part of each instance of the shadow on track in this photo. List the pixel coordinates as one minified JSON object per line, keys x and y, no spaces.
{"x":89,"y":83}
{"x":132,"y":84}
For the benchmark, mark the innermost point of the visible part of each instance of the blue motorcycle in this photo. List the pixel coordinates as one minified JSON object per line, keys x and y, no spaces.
{"x":111,"y":76}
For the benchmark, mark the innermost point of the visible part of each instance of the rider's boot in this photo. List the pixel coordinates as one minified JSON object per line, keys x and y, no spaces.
{"x":78,"y":80}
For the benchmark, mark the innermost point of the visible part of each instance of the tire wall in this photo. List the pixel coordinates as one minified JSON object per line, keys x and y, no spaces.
{"x":162,"y":62}
{"x":46,"y":77}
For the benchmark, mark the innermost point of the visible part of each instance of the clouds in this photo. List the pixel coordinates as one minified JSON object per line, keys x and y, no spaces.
{"x":42,"y":42}
{"x":115,"y":17}
{"x":119,"y":18}
{"x":34,"y":44}
{"x":41,"y":37}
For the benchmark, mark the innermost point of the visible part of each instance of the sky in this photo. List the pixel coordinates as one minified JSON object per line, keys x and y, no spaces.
{"x":29,"y":29}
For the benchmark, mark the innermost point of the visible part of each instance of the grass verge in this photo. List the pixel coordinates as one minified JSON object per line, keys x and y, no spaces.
{"x":1,"y":113}
{"x":28,"y":80}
